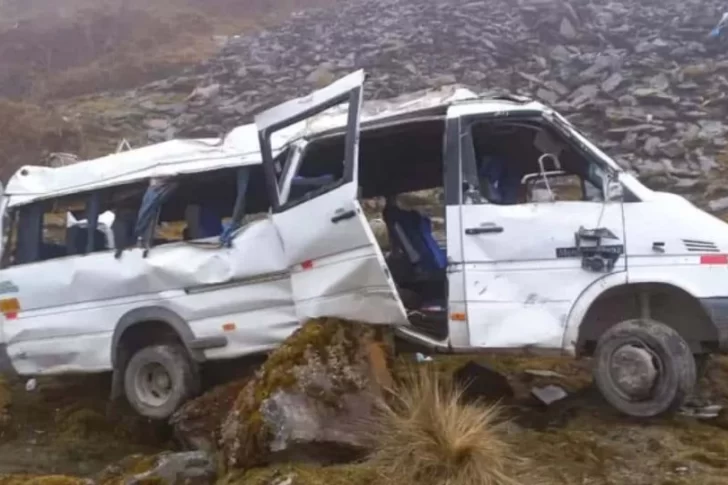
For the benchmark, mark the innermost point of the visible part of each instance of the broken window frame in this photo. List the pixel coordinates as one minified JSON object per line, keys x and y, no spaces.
{"x":144,"y":230}
{"x":9,"y":237}
{"x":124,"y":223}
{"x":158,"y":191}
{"x":582,"y":143}
{"x":239,"y":209}
{"x":296,"y":153}
{"x":28,"y":235}
{"x":469,"y":162}
{"x":300,"y":148}
{"x":93,"y":210}
{"x":349,"y":159}
{"x":286,"y":156}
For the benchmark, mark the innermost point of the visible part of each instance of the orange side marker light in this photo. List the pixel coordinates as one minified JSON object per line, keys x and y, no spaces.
{"x":10,"y":307}
{"x":458,"y":316}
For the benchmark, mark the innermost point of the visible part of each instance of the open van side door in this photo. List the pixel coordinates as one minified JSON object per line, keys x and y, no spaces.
{"x":337,"y":268}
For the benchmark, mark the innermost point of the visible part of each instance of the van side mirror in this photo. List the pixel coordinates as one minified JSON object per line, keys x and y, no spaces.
{"x":612,"y":188}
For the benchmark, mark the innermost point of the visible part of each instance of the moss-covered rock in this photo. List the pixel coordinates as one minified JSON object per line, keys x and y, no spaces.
{"x":42,"y":480}
{"x":309,"y":400}
{"x":197,"y":423}
{"x":189,"y":468}
{"x":127,"y":467}
{"x":305,"y":474}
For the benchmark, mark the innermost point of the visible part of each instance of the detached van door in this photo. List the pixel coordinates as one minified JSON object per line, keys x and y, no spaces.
{"x":337,"y":268}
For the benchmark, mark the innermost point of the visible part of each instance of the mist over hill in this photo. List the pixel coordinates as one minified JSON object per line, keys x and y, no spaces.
{"x":642,"y":77}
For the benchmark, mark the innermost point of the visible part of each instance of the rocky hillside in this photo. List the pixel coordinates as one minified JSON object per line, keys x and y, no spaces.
{"x":641,"y":77}
{"x":51,"y":49}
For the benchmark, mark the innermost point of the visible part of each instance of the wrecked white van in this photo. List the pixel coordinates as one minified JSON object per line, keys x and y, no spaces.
{"x":547,"y":246}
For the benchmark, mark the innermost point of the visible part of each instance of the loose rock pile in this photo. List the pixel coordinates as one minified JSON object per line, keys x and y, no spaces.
{"x":640,"y":77}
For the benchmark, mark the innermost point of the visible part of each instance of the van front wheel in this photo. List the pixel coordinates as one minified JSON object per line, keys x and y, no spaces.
{"x":644,"y":368}
{"x":159,"y":379}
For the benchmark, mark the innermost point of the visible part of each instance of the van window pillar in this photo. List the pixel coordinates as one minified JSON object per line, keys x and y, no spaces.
{"x":243,"y":177}
{"x":156,"y":194}
{"x":92,"y":220}
{"x":30,"y":233}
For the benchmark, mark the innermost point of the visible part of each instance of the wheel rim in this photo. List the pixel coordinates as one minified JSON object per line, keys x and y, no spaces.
{"x":635,"y":371}
{"x":153,"y":384}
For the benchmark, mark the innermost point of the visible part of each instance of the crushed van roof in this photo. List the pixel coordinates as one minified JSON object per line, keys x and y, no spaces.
{"x":240,"y":147}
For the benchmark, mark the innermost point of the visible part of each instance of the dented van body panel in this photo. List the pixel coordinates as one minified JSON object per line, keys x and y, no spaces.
{"x":516,"y":276}
{"x":67,"y":318}
{"x":234,"y":298}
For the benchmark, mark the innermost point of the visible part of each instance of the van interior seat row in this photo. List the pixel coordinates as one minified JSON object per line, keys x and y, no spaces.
{"x":411,"y":235}
{"x":418,"y":265}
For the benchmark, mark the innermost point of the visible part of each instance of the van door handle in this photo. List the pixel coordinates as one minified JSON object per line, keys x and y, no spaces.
{"x":487,"y":229}
{"x":343,"y":216}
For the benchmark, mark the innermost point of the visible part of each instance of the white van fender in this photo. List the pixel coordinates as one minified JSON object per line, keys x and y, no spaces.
{"x":195,"y":346}
{"x":152,"y":314}
{"x":593,"y":292}
{"x":582,"y":304}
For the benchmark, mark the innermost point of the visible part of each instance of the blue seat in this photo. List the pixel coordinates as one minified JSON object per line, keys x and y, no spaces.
{"x":503,"y":182}
{"x":435,"y":257}
{"x":411,"y":233}
{"x":210,"y":222}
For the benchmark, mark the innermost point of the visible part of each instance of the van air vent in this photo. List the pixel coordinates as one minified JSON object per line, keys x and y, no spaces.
{"x":694,"y":246}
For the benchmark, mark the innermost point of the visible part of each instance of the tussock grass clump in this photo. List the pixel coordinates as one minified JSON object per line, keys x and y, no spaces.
{"x":429,"y":436}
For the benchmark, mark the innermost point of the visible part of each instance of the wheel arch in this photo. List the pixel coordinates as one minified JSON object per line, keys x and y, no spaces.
{"x":613,"y":298}
{"x":161,"y":321}
{"x":154,"y":315}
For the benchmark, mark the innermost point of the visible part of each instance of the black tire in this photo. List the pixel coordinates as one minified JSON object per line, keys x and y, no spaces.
{"x":158,"y":379}
{"x":667,"y":373}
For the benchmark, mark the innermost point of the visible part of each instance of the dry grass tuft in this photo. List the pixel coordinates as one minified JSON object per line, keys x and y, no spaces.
{"x":430,"y":437}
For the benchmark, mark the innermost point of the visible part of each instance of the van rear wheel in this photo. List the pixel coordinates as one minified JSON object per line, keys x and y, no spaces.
{"x":159,"y":379}
{"x":644,"y":368}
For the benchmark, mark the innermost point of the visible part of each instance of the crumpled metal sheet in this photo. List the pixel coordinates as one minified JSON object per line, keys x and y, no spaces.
{"x":70,"y":307}
{"x":239,"y":147}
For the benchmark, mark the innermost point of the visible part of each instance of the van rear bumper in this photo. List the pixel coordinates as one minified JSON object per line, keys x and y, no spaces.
{"x":6,"y":365}
{"x":717,"y":309}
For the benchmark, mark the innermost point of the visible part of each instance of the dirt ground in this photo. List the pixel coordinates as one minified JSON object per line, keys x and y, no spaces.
{"x":64,"y":426}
